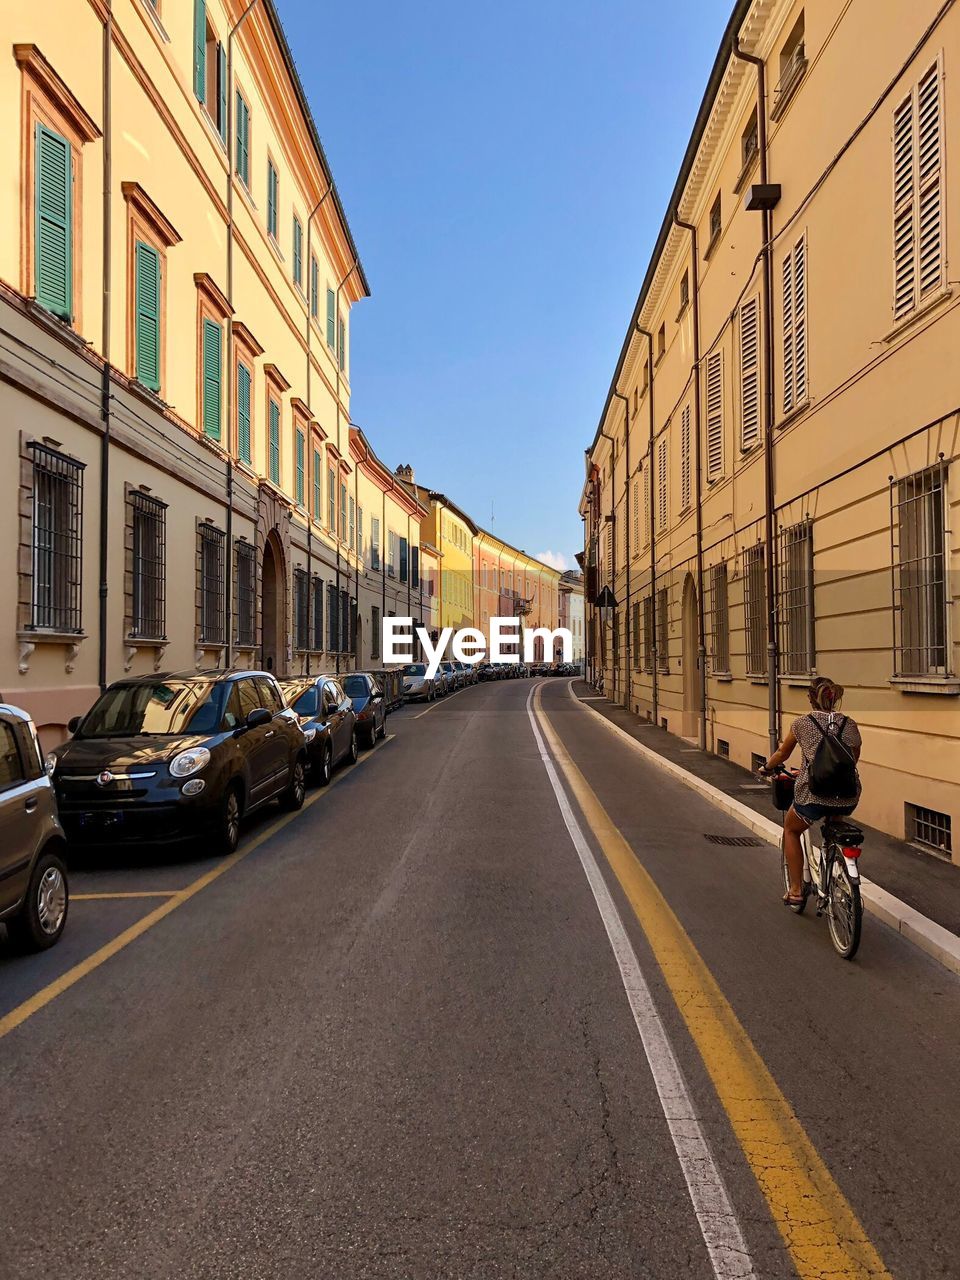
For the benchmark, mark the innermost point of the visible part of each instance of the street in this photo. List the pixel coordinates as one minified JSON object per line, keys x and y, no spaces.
{"x":390,"y":1038}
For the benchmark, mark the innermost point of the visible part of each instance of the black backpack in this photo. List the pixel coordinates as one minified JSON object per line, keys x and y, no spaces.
{"x":832,"y":774}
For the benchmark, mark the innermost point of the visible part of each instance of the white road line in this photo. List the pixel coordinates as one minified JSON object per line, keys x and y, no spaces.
{"x":719,"y":1226}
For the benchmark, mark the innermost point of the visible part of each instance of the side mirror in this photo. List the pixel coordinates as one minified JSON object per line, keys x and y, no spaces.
{"x":257,"y":717}
{"x":73,"y":724}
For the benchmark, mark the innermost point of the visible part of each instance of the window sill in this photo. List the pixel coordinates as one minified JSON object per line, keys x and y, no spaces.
{"x":134,"y":644}
{"x":29,"y":639}
{"x":155,"y":19}
{"x":785,"y":96}
{"x":722,"y":677}
{"x":746,"y":173}
{"x":796,"y":681}
{"x":757,"y":678}
{"x":942,"y":685}
{"x":797,"y":412}
{"x":215,"y":133}
{"x":918,"y":314}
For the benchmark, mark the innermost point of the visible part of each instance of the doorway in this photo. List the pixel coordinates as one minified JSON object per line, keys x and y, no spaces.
{"x":273,"y":638}
{"x":691,"y":673}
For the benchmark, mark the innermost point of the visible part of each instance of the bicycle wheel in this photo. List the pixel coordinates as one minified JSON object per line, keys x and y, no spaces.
{"x":799,"y":909}
{"x":844,"y":910}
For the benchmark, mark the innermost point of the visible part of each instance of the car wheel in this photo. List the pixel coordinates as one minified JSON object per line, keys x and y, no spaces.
{"x":382,"y":731}
{"x":353,"y":755}
{"x":39,"y":922}
{"x":325,"y":767}
{"x":228,"y":824}
{"x":292,"y":798}
{"x":372,"y":736}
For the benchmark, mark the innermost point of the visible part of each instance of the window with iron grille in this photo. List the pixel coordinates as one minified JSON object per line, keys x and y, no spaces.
{"x":344,"y":622}
{"x":719,"y":618}
{"x":929,"y":828}
{"x":920,"y":588}
{"x":301,"y":609}
{"x":637,"y":633}
{"x":57,"y":540}
{"x":796,"y":600}
{"x":663,"y":629}
{"x":246,"y":594}
{"x":333,"y":622}
{"x":374,"y":632}
{"x":755,"y":610}
{"x":316,"y":588}
{"x":723,"y":748}
{"x":750,"y":142}
{"x":211,"y":584}
{"x":149,"y":521}
{"x":648,"y":634}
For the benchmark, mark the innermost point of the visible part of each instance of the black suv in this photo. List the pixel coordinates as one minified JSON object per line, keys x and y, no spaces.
{"x":178,"y":757}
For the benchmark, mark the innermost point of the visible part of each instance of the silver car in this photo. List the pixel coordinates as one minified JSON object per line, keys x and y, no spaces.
{"x":34,"y":896}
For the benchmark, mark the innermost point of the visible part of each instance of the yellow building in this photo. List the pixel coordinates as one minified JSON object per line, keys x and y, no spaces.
{"x":176,"y":281}
{"x":451,"y":532}
{"x":772,"y":487}
{"x":509,"y":583}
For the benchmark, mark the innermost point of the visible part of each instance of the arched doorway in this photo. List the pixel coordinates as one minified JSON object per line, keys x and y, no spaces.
{"x":273,"y":606}
{"x":691,"y":674}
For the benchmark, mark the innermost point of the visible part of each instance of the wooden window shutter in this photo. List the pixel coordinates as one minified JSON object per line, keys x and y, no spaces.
{"x":636,"y":513}
{"x":147,"y":302}
{"x":274,"y":442}
{"x":646,"y":505}
{"x":317,"y":485}
{"x":662,"y":505}
{"x":54,"y":228}
{"x":297,"y":252}
{"x":685,"y":463}
{"x":200,"y":48}
{"x":795,"y":326}
{"x":272,"y":194}
{"x":301,"y":467}
{"x":222,"y":91}
{"x":341,"y":343}
{"x":243,"y":413}
{"x":331,"y":319}
{"x":314,"y":288}
{"x":749,"y":373}
{"x":714,"y":415}
{"x":243,"y":140}
{"x":212,"y":376}
{"x":918,"y":254}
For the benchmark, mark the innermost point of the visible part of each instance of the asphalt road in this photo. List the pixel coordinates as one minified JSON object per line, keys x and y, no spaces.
{"x":392,"y":1039}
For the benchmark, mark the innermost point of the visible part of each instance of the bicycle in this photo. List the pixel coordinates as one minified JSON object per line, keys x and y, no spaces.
{"x":831,"y":871}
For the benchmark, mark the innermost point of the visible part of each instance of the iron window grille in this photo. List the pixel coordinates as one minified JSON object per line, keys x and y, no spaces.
{"x":246,"y":595}
{"x":929,"y":828}
{"x":56,"y":597}
{"x":648,"y":634}
{"x":719,"y":618}
{"x":918,"y":545}
{"x":755,"y":608}
{"x":797,"y":627}
{"x":374,"y":632}
{"x":149,"y":518}
{"x":663,"y":630}
{"x":317,"y":591}
{"x":333,"y":625}
{"x":211,"y":584}
{"x":344,"y":622}
{"x":301,"y":609}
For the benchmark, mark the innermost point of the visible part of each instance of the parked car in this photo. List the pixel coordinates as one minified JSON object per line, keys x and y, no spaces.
{"x":453,"y":676}
{"x":418,"y":686}
{"x":328,"y":721}
{"x":34,"y":892}
{"x":178,"y":757}
{"x":365,"y":693}
{"x":489,"y":671}
{"x":390,"y":680}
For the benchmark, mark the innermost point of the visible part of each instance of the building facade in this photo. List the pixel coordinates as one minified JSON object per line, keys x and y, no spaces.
{"x":509,"y":583}
{"x":572,"y":611}
{"x":176,"y":281}
{"x":772,"y":490}
{"x":451,"y":532}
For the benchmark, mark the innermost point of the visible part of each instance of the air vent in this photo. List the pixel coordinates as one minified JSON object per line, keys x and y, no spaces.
{"x":756,"y":762}
{"x":929,"y":828}
{"x":723,"y":748}
{"x":740,"y":842}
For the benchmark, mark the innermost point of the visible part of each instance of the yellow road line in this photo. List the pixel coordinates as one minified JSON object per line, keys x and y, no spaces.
{"x":102,"y":897}
{"x":819,"y":1227}
{"x":49,"y":993}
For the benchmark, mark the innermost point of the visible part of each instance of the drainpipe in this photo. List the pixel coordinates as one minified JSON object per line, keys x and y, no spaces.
{"x":701,"y":633}
{"x":105,"y":340}
{"x":336,"y":361}
{"x":773,"y":700}
{"x":626,"y":520}
{"x":655,"y":691}
{"x":613,"y":541}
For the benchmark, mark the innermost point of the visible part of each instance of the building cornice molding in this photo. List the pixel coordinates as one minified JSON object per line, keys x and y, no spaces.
{"x":33,"y":63}
{"x":211,"y":291}
{"x":159,"y":223}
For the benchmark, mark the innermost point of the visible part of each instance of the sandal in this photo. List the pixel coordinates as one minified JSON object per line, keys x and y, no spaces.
{"x":794,"y":900}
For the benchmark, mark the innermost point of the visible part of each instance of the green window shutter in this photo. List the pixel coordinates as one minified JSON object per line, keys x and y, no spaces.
{"x":314,"y":288}
{"x":274,"y":442}
{"x":297,"y":253}
{"x":331,"y":319}
{"x":243,"y":413}
{"x":341,"y":343}
{"x":243,"y":140}
{"x":317,"y":485}
{"x":271,"y":199}
{"x":147,"y":289}
{"x":212,"y":377}
{"x":200,"y":48}
{"x":54,"y":233}
{"x":222,"y":91}
{"x":301,"y":465}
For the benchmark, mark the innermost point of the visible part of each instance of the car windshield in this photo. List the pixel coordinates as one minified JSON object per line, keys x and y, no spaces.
{"x":302,"y":699}
{"x":447,"y":666}
{"x":355,"y":687}
{"x":164,"y":708}
{"x":415,"y":669}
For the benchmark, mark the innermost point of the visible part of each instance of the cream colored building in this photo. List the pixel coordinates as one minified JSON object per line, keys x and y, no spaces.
{"x":509,"y":583}
{"x":176,"y":282}
{"x":773,"y":486}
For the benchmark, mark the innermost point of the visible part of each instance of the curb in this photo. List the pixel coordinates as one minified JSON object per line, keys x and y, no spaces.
{"x":939,"y":943}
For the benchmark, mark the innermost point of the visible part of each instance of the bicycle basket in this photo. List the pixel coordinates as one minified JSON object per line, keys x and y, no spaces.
{"x":783,"y":789}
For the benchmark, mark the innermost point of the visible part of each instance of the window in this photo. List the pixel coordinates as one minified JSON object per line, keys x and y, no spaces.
{"x":345,"y":619}
{"x":918,"y":228}
{"x":212,"y":358}
{"x":662,"y":506}
{"x":793,"y":63}
{"x":716,"y":222}
{"x":714,"y":414}
{"x":404,"y":546}
{"x":636,"y":513}
{"x":646,"y":505}
{"x":243,"y":141}
{"x":317,"y":619}
{"x":12,"y":772}
{"x":374,"y":632}
{"x":297,"y":252}
{"x":273,"y":199}
{"x":53,"y":250}
{"x":795,"y":327}
{"x":314,"y":287}
{"x":661,"y":340}
{"x":719,"y":618}
{"x":301,"y":610}
{"x":684,"y":291}
{"x":374,"y":543}
{"x":609,"y":536}
{"x":352,"y":531}
{"x":147,"y":315}
{"x":415,"y":567}
{"x":749,"y":332}
{"x":686,"y":487}
{"x":246,"y":594}
{"x":920,"y":587}
{"x":392,"y":554}
{"x":301,"y":473}
{"x":343,"y":509}
{"x":244,"y":398}
{"x":211,"y":584}
{"x":360,"y":547}
{"x":149,"y":521}
{"x":331,"y":318}
{"x":755,"y":609}
{"x":648,"y":634}
{"x":333,"y":623}
{"x":796,"y":599}
{"x":341,"y":343}
{"x":929,"y":828}
{"x":317,"y":485}
{"x":750,"y":142}
{"x":273,"y":442}
{"x":663,"y":629}
{"x":331,"y":500}
{"x":209,"y":68}
{"x":57,"y":540}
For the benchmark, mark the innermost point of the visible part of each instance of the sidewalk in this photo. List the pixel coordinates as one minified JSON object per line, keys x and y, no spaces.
{"x":920,"y":881}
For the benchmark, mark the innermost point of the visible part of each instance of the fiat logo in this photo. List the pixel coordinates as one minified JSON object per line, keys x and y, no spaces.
{"x":104,"y":778}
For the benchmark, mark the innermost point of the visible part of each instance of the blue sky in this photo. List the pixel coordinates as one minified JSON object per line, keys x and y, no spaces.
{"x":505,"y":168}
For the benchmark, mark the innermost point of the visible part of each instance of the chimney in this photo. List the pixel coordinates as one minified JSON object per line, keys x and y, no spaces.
{"x":405,"y":473}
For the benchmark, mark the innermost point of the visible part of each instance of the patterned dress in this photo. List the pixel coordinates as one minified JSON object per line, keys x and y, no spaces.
{"x":809,"y":737}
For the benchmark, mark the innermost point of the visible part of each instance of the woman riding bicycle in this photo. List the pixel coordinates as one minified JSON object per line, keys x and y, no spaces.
{"x":809,"y":731}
